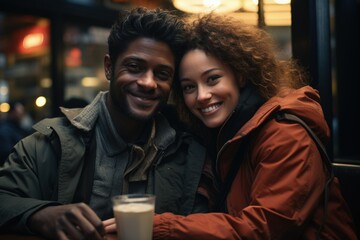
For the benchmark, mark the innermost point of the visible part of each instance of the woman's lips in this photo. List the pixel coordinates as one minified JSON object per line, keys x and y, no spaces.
{"x":211,"y":108}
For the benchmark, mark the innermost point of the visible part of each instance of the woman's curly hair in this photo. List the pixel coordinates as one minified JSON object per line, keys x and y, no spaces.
{"x":248,"y":50}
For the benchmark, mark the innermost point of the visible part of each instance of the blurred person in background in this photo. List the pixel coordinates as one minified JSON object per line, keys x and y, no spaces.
{"x":75,"y":102}
{"x":13,"y":128}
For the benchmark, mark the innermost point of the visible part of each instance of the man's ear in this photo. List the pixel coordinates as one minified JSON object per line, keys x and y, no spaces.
{"x":107,"y":67}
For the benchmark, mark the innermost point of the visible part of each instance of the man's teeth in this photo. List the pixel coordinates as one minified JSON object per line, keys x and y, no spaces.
{"x":144,"y":98}
{"x":211,"y":108}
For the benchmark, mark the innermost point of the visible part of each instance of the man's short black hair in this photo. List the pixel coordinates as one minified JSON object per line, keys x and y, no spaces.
{"x":157,"y":24}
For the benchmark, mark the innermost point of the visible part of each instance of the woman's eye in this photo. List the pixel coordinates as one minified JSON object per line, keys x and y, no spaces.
{"x":187,"y":88}
{"x":213,"y":79}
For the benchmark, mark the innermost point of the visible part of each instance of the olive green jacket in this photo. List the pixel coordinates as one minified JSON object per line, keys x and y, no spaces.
{"x":50,"y":167}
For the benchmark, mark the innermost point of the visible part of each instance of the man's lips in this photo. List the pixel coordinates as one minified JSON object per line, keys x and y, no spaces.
{"x":143,"y":99}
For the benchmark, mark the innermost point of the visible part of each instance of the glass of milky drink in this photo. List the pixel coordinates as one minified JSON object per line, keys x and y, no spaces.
{"x":134,"y":216}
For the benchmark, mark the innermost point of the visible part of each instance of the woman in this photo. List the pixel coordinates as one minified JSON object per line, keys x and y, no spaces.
{"x":231,"y":88}
{"x":232,"y":82}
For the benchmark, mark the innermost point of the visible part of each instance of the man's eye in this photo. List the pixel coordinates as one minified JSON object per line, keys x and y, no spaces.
{"x":164,"y":75}
{"x":133,"y":67}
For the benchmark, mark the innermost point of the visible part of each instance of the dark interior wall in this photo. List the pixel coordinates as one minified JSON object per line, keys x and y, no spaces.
{"x":310,"y":32}
{"x":312,"y":46}
{"x":347,"y":74}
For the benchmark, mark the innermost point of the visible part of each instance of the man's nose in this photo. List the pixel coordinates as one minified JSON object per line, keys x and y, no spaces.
{"x":147,"y":80}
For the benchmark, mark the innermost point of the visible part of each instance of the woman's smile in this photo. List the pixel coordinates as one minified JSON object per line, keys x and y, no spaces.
{"x":211,"y":108}
{"x":209,"y":87}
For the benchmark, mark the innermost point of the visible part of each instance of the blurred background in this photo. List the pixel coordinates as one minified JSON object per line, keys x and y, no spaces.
{"x":52,"y":51}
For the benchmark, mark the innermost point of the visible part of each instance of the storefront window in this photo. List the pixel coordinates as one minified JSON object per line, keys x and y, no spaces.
{"x":85,"y":47}
{"x":24,"y":64}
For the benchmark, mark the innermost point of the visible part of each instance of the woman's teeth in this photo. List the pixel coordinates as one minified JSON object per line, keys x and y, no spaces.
{"x":211,"y":108}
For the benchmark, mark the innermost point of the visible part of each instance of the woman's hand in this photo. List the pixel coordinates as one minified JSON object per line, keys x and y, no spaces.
{"x":110,"y":225}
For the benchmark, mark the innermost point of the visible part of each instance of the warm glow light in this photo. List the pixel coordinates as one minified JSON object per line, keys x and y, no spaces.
{"x":45,"y":82}
{"x":211,"y":3}
{"x":73,"y":57}
{"x":276,"y":12}
{"x":90,"y":81}
{"x":40,"y":101}
{"x":203,"y":6}
{"x":4,"y":90}
{"x":250,"y":5}
{"x":4,"y":107}
{"x":33,"y":40}
{"x":256,"y":2}
{"x":282,"y":1}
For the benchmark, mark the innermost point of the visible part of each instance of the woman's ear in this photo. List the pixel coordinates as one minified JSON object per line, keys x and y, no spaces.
{"x":241,"y":82}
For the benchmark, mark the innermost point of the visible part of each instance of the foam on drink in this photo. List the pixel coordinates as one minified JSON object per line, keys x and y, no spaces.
{"x":129,"y":217}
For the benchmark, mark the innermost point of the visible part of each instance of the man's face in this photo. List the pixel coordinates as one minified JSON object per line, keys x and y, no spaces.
{"x":141,"y":78}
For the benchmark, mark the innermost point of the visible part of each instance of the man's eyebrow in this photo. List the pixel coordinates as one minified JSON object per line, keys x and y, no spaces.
{"x":138,"y":59}
{"x":133,"y":58}
{"x":166,"y":66}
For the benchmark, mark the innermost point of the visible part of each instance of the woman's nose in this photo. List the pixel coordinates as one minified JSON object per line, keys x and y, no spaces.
{"x":203,"y":94}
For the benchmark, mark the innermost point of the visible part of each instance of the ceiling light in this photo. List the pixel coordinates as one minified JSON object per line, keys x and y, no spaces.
{"x":203,"y":6}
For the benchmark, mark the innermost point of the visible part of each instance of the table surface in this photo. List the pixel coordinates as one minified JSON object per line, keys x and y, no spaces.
{"x":27,"y":237}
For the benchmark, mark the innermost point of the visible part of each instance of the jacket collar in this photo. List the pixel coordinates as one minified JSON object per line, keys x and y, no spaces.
{"x":303,"y":102}
{"x":165,"y":134}
{"x":250,"y":101}
{"x":84,"y":118}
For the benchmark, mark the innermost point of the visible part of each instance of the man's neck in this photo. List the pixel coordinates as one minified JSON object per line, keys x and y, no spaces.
{"x":128,"y":128}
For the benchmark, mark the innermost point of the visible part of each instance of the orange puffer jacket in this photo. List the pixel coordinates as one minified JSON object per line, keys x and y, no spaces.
{"x":278,"y":191}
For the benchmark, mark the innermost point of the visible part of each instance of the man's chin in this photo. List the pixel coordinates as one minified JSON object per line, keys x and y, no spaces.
{"x":142,"y":115}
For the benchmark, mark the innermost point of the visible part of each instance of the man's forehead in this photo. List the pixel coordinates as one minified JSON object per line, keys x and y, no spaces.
{"x":147,"y":49}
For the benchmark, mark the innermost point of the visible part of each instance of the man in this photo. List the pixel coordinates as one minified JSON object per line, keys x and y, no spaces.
{"x":60,"y":180}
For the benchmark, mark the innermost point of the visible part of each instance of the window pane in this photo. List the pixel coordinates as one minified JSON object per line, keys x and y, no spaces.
{"x":24,"y":63}
{"x":85,"y":47}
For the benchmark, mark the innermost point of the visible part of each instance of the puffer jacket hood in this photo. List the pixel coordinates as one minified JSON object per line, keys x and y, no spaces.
{"x":303,"y":102}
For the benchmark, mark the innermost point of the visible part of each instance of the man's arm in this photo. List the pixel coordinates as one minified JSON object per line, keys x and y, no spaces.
{"x":24,"y":187}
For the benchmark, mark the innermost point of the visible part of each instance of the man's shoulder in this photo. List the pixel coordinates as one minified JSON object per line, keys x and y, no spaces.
{"x":48,"y":125}
{"x":58,"y":131}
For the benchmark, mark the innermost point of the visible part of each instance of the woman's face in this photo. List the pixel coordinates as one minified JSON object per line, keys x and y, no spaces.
{"x":209,"y":87}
